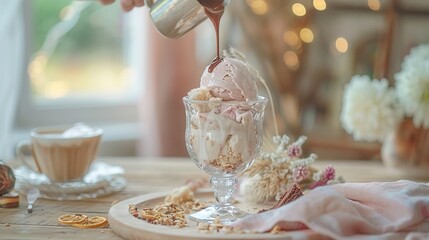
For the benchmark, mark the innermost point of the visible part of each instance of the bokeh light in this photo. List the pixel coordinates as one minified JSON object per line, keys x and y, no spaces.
{"x":36,"y":69}
{"x":290,"y":38}
{"x":319,"y":5}
{"x":298,"y":9}
{"x":306,"y":35}
{"x":374,"y":5}
{"x":291,"y":60}
{"x":56,"y":89}
{"x":259,"y":7}
{"x":67,"y":12}
{"x":341,"y":45}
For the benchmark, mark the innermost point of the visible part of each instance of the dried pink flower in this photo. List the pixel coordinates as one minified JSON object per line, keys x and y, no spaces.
{"x":274,"y":171}
{"x":329,"y":174}
{"x":300,"y":173}
{"x":294,"y":151}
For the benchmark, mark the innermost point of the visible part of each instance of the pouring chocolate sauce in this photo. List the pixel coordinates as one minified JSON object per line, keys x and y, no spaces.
{"x":174,"y":18}
{"x":214,"y":10}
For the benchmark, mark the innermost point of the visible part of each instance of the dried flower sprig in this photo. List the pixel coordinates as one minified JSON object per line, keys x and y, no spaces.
{"x":273,"y":172}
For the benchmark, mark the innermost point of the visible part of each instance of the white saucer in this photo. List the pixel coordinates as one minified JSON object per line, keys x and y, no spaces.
{"x":102,"y":179}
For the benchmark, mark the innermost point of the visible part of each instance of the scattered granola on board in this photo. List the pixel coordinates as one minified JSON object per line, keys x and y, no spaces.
{"x":172,"y":211}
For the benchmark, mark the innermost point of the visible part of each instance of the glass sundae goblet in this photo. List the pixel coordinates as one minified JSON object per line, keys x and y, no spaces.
{"x":223,"y":138}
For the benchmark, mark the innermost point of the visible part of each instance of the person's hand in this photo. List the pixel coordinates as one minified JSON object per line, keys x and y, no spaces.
{"x":127,"y":5}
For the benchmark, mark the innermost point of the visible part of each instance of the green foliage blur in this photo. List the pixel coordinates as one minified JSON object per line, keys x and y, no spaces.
{"x":89,"y":60}
{"x":97,"y":30}
{"x":45,"y":15}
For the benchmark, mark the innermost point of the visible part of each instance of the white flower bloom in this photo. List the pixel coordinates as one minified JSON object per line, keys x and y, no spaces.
{"x":412,"y":88}
{"x":369,"y":109}
{"x":418,"y":55}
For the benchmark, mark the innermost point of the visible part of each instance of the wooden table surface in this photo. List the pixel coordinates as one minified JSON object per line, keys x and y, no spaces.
{"x":148,"y":175}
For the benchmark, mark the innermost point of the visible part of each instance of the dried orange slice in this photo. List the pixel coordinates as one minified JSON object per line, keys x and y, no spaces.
{"x":93,"y":222}
{"x":72,"y":218}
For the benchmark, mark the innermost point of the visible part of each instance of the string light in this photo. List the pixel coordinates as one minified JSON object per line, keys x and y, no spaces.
{"x":290,"y":58}
{"x":290,"y":38}
{"x":259,"y":7}
{"x":319,"y":5}
{"x":374,"y":5}
{"x":306,"y":35}
{"x":341,"y":45}
{"x":298,"y":9}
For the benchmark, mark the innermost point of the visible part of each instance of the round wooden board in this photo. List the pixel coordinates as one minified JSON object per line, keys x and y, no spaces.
{"x":129,"y":227}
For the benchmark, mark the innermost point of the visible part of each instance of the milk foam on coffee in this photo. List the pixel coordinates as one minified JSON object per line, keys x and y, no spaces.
{"x":79,"y":130}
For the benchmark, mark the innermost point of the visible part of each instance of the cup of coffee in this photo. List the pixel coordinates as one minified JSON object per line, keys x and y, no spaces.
{"x":63,"y":153}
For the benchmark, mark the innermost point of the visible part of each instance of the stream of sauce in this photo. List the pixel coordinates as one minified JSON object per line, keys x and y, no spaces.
{"x":214,"y":10}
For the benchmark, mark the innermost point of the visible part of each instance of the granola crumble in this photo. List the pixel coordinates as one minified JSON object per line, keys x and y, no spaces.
{"x":172,"y":211}
{"x":228,"y":162}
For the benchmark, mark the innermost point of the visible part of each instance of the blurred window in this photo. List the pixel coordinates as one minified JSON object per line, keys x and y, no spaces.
{"x":79,"y":53}
{"x":86,"y":63}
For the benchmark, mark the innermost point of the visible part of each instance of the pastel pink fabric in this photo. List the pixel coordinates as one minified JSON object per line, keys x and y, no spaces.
{"x":379,"y":210}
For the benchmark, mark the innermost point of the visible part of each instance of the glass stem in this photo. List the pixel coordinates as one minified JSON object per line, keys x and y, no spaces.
{"x":223,"y":188}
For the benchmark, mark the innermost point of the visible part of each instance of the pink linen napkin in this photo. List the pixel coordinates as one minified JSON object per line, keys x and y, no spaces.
{"x":389,"y":210}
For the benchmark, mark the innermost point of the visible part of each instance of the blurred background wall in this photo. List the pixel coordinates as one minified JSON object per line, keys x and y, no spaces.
{"x":95,"y":64}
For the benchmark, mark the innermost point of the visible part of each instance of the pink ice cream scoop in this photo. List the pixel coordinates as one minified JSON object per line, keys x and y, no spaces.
{"x":231,"y":80}
{"x":224,"y":133}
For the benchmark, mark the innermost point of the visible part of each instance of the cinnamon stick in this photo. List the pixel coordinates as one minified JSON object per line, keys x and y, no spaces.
{"x":290,"y":195}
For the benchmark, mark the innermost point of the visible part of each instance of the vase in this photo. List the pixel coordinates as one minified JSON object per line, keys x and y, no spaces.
{"x":406,"y":147}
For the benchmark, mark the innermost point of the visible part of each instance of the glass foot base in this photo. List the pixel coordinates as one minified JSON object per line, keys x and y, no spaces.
{"x":225,"y":214}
